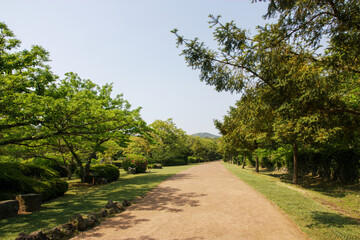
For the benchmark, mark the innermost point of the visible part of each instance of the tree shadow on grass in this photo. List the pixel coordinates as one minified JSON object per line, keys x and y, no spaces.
{"x":332,"y":220}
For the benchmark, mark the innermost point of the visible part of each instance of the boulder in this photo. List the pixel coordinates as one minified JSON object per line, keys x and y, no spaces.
{"x":92,"y":220}
{"x":126,"y":203}
{"x":39,"y":235}
{"x":103,"y":213}
{"x":68,"y":229}
{"x":131,"y":170}
{"x":30,"y":202}
{"x":78,"y":221}
{"x":120,"y":207}
{"x":55,"y":234}
{"x":111,"y":204}
{"x":8,"y":209}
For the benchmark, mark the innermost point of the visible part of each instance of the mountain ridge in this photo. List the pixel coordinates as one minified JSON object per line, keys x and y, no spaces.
{"x":205,"y":135}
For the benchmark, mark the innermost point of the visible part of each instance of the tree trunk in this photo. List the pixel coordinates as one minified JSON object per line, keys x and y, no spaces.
{"x":257,"y":164}
{"x":296,"y":167}
{"x":244,"y":160}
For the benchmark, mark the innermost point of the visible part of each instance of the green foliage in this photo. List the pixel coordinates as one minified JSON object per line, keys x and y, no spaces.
{"x":192,"y":159}
{"x":135,"y":161}
{"x":103,"y":171}
{"x":295,"y":92}
{"x":175,"y":162}
{"x":25,"y":178}
{"x":118,"y":163}
{"x":170,"y":142}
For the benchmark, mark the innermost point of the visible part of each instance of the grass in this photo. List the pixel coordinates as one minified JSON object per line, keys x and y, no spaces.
{"x":84,"y":199}
{"x":314,"y":218}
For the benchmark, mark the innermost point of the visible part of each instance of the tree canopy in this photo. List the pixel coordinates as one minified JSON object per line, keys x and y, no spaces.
{"x":298,"y":77}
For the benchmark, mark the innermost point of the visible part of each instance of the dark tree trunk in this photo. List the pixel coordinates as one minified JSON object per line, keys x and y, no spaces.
{"x":244,"y":160}
{"x":296,"y":167}
{"x":257,"y":164}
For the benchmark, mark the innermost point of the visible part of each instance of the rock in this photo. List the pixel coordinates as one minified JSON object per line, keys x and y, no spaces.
{"x":110,"y":204}
{"x":8,"y":209}
{"x":111,"y":211}
{"x":90,"y":223}
{"x":120,"y":207}
{"x":131,"y":170}
{"x":29,"y":202}
{"x":55,"y":234}
{"x":78,"y":221}
{"x":21,"y":236}
{"x":68,"y":229}
{"x":126,"y":203}
{"x":39,"y":235}
{"x":103,"y":213}
{"x":92,"y":220}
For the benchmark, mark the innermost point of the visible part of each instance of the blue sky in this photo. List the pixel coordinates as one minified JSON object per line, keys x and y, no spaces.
{"x":129,"y":43}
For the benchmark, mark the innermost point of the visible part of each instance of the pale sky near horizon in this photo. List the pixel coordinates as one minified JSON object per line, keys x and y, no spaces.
{"x":129,"y":43}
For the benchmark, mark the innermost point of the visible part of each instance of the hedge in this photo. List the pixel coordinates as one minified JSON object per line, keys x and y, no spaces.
{"x":99,"y":172}
{"x":26,"y":178}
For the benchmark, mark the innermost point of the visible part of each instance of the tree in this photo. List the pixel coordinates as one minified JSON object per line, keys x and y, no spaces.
{"x":88,"y":117}
{"x":171,"y":141}
{"x":305,"y":84}
{"x":26,"y":84}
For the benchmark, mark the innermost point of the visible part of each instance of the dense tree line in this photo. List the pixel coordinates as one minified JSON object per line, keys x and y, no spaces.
{"x":299,"y":83}
{"x":170,"y":145}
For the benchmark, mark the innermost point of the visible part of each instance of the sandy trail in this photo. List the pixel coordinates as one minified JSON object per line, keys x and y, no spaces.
{"x":202,"y":202}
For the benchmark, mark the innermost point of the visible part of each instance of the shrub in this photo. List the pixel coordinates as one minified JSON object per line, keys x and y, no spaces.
{"x":155,"y":166}
{"x":103,"y":171}
{"x":26,"y":178}
{"x":135,"y":161}
{"x":192,"y":159}
{"x":51,"y":164}
{"x":118,"y":163}
{"x":175,"y":162}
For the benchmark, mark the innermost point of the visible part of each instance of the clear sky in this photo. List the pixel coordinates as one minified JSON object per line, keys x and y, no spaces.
{"x":129,"y":43}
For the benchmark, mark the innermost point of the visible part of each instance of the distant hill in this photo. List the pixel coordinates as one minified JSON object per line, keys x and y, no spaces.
{"x":205,"y":135}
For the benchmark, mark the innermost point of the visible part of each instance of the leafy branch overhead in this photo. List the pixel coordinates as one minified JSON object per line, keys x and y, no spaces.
{"x":301,"y":71}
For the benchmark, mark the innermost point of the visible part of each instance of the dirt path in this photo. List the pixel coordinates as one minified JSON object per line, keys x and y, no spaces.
{"x":202,"y":202}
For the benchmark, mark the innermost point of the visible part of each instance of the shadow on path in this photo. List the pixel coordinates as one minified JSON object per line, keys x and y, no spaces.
{"x":168,"y":199}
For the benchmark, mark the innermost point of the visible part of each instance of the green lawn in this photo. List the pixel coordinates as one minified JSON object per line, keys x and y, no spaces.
{"x":315,"y":219}
{"x":84,"y":200}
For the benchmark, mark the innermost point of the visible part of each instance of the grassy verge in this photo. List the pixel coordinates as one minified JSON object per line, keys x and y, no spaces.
{"x":315,"y":219}
{"x":84,"y":200}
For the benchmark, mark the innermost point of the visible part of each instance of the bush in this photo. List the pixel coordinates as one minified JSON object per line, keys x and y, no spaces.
{"x":192,"y":159}
{"x":118,"y":163}
{"x":102,"y":171}
{"x":51,"y":164}
{"x":175,"y":162}
{"x":155,"y":166}
{"x":135,"y":161}
{"x":26,"y":178}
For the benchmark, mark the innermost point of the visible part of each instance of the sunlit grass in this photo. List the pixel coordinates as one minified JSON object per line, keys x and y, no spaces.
{"x":84,"y":200}
{"x":313,"y":218}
